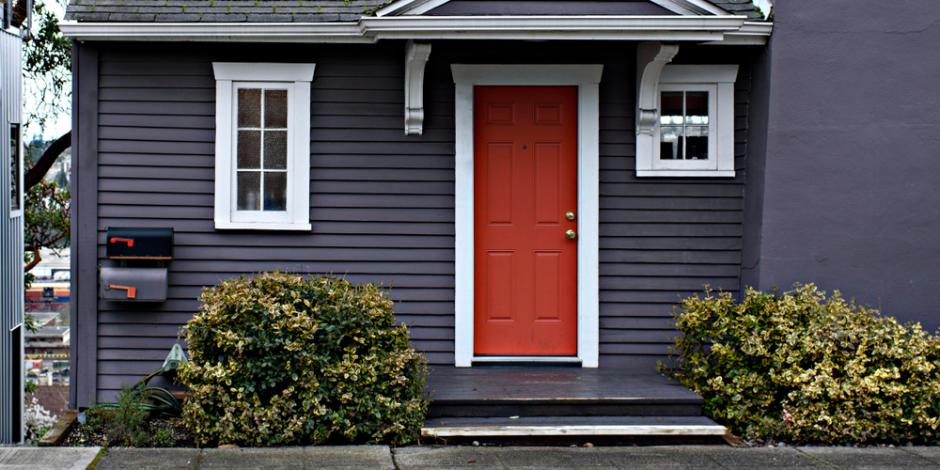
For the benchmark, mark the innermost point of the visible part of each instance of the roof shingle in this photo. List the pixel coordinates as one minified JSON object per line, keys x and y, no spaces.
{"x":221,"y":11}
{"x":268,"y":11}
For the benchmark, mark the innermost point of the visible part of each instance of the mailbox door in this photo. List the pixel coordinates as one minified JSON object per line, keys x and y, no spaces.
{"x":133,"y":284}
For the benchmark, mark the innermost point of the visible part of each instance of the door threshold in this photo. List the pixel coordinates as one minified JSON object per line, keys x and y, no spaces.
{"x":530,"y":359}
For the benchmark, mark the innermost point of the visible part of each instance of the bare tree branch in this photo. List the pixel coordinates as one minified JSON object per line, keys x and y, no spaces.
{"x":36,"y":259}
{"x":35,"y":174}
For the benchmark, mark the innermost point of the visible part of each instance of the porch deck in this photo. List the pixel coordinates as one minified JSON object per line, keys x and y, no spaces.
{"x":552,"y":400}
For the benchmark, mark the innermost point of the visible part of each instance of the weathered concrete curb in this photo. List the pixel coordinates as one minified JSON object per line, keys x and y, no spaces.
{"x":52,"y":458}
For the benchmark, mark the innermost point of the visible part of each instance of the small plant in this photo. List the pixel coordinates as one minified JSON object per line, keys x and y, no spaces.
{"x":280,"y":360}
{"x":126,"y":420}
{"x":807,"y":368}
{"x":164,"y":437}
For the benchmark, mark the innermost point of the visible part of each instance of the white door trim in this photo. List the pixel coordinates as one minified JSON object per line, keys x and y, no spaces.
{"x":587,"y":79}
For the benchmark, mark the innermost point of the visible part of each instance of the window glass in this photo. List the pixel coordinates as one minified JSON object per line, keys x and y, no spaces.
{"x":261,"y":155}
{"x":16,"y":155}
{"x":684,"y":125}
{"x":249,"y":107}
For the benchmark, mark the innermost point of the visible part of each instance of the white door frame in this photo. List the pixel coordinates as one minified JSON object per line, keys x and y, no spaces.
{"x":587,"y":78}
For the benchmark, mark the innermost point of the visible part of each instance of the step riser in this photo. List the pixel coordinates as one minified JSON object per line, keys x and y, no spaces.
{"x":485,"y":411}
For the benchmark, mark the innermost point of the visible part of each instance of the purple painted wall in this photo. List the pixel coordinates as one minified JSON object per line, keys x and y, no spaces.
{"x":381,"y":203}
{"x":851,"y":198}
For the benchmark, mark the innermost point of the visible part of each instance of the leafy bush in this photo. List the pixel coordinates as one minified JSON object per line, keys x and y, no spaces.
{"x":280,"y":360}
{"x":802,"y":367}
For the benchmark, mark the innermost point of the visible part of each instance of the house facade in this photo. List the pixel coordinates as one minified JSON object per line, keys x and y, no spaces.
{"x":11,"y":229}
{"x":534,"y":181}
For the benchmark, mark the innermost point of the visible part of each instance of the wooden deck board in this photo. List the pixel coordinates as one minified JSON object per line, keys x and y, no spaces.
{"x":567,"y":385}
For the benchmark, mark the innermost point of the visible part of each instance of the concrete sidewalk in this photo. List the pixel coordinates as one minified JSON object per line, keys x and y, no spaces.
{"x":581,"y":458}
{"x":454,"y":457}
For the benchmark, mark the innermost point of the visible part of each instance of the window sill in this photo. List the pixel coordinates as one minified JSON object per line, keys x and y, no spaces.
{"x":281,"y":227}
{"x":685,"y":173}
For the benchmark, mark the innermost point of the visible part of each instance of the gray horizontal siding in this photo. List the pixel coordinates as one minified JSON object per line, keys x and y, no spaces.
{"x":381,"y":202}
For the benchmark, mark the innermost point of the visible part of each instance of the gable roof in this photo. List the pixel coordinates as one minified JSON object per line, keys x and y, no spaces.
{"x":270,"y":11}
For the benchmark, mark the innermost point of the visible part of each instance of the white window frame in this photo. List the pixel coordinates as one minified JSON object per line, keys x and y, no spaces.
{"x":712,"y":162}
{"x":295,"y":78}
{"x":718,"y":81}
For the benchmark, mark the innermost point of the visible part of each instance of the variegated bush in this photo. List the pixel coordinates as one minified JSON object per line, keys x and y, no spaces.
{"x":282,"y":360}
{"x":805,"y":367}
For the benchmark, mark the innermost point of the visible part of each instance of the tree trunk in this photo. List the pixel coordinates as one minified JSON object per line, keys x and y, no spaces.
{"x":35,"y":174}
{"x":37,"y":258}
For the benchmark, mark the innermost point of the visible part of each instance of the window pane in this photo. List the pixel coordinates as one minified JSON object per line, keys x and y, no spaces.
{"x":670,"y":146}
{"x":249,"y":191}
{"x":15,"y":156}
{"x":275,"y":191}
{"x":671,"y":102}
{"x":696,"y":107}
{"x":249,"y":107}
{"x":696,"y":143}
{"x":275,"y":150}
{"x":275,"y":108}
{"x":249,"y":149}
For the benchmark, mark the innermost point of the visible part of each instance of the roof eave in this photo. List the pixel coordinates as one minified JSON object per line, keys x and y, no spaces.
{"x":713,"y":29}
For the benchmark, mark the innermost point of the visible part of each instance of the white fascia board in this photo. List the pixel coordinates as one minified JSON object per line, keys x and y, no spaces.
{"x":753,"y":33}
{"x":664,"y":28}
{"x":369,"y":30}
{"x":349,"y":32}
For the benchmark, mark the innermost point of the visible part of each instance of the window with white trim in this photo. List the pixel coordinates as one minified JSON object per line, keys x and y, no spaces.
{"x":694,"y":130}
{"x":262,"y":174}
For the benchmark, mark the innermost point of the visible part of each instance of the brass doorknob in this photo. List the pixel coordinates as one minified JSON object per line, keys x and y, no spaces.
{"x":569,"y":215}
{"x":571,"y":235}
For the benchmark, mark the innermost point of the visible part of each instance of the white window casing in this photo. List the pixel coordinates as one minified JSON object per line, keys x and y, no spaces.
{"x":718,"y":81}
{"x":587,"y":78}
{"x":295,"y":79}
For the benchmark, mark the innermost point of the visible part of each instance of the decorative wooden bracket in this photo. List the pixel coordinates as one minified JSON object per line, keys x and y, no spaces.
{"x":416,"y":57}
{"x":651,"y":57}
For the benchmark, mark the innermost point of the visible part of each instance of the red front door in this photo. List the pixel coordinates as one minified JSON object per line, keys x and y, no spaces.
{"x":525,"y":183}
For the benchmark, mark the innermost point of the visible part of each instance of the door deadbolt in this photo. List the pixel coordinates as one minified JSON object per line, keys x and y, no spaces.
{"x":569,"y":215}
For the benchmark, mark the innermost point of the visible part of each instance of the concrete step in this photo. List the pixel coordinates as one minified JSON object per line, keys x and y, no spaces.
{"x":544,"y":426}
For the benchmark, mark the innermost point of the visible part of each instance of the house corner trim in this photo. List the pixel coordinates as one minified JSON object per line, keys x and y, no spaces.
{"x":416,"y":58}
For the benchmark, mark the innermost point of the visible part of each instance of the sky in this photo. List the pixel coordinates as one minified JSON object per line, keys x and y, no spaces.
{"x":61,"y":123}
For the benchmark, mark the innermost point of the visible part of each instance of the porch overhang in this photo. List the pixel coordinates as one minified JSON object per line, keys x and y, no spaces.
{"x":725,"y":29}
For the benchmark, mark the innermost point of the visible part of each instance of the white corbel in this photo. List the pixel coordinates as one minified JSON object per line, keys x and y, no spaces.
{"x":651,"y":57}
{"x":416,"y":57}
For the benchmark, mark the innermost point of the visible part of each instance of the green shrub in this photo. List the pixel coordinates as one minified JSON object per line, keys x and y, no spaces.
{"x":279,"y":360}
{"x":805,"y":368}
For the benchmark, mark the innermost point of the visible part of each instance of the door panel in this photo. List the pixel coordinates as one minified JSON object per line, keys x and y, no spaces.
{"x":525,"y":181}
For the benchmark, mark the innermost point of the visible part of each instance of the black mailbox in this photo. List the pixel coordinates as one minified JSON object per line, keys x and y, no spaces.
{"x":140,"y":243}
